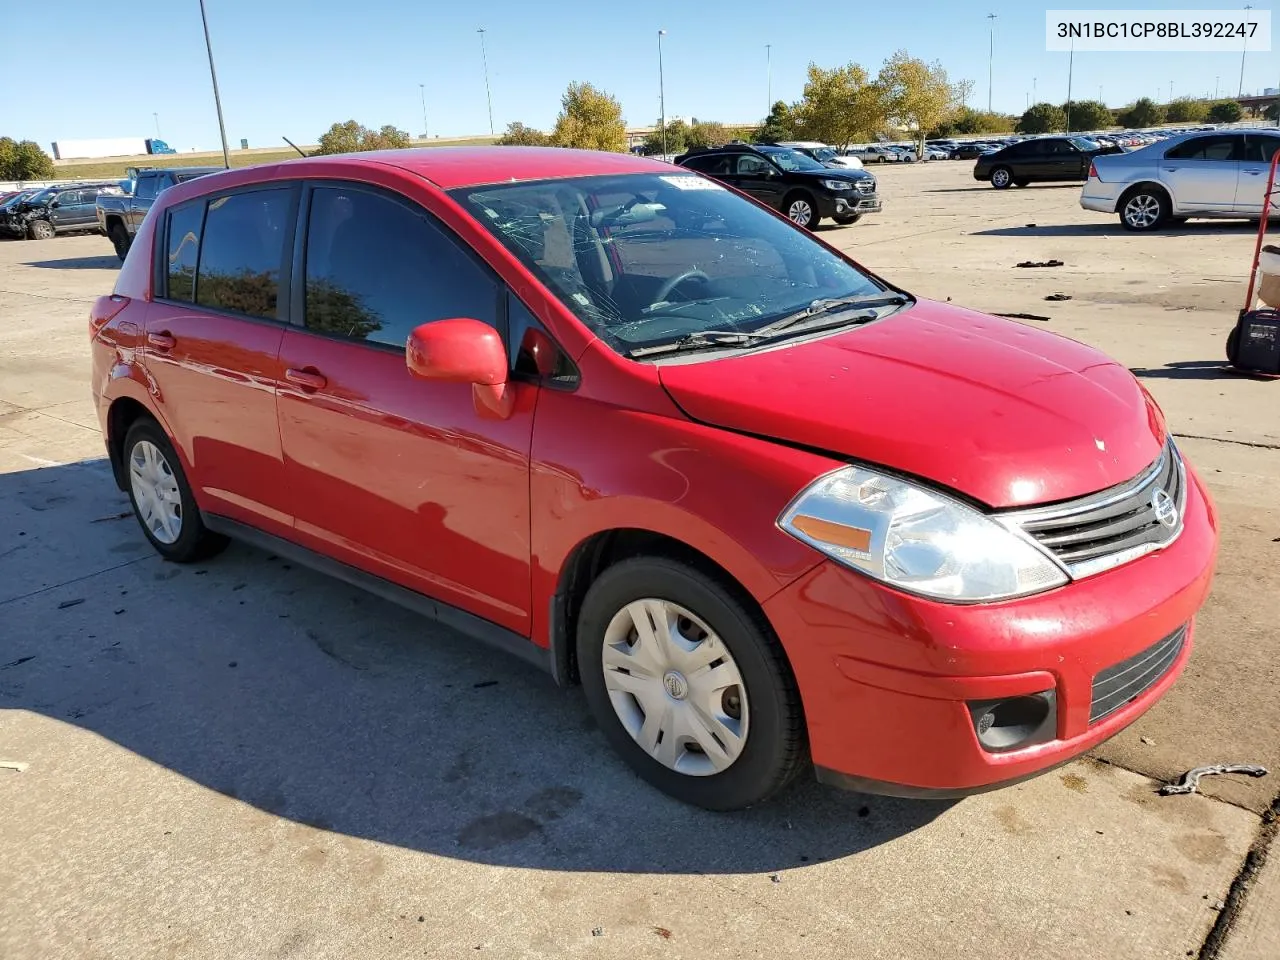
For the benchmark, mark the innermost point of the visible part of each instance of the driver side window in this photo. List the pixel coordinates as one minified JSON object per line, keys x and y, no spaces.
{"x":752,"y":166}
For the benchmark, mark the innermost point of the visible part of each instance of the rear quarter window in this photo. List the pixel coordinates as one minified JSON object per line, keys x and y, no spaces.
{"x":182,"y":249}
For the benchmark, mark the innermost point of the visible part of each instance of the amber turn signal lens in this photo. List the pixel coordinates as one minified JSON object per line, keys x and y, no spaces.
{"x":836,"y":534}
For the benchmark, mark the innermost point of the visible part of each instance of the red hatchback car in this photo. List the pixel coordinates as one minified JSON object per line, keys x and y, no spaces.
{"x":767,"y":508}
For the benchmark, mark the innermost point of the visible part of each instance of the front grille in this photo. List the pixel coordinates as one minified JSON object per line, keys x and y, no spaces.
{"x":1120,"y":524}
{"x":865,"y":186}
{"x":1127,"y":680}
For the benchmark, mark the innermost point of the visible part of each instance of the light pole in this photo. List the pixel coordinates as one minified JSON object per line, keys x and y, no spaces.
{"x":1071,"y":62}
{"x":1100,"y":94}
{"x":662,"y":96}
{"x":422,"y":88}
{"x":156,"y":117}
{"x":1215,"y":87}
{"x":768,"y":59}
{"x":1171,"y":91}
{"x":217,"y":100}
{"x":1034,"y":96}
{"x":1243,"y":51}
{"x":991,"y":56}
{"x":484,"y":59}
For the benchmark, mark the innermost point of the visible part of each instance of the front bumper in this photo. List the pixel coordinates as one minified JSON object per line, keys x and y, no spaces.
{"x":848,"y":203}
{"x":887,"y":679}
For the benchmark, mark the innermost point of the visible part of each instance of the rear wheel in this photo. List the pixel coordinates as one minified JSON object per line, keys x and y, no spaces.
{"x":40,"y":230}
{"x":1001,"y":178}
{"x":161,"y":497}
{"x":801,"y":210}
{"x":1144,"y":209}
{"x":689,"y":685}
{"x":119,"y":239}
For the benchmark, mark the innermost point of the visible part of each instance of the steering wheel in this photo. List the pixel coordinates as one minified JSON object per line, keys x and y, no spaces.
{"x":669,"y":285}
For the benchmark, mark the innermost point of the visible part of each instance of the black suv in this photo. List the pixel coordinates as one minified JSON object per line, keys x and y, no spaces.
{"x":58,"y":209}
{"x":799,"y":186}
{"x":1041,"y":160}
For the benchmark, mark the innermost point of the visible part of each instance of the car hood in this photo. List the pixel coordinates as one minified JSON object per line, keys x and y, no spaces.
{"x":835,"y":173}
{"x":1003,"y":413}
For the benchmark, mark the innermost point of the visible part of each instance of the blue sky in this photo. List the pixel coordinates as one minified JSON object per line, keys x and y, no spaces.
{"x":292,"y":67}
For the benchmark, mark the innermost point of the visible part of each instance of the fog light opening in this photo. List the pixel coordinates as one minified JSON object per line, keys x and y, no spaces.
{"x":1015,"y":722}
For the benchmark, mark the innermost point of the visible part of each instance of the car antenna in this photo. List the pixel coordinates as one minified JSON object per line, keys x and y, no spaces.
{"x":294,"y":145}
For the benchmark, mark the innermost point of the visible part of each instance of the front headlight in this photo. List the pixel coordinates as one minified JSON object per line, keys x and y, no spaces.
{"x":916,"y":539}
{"x":837,"y":184}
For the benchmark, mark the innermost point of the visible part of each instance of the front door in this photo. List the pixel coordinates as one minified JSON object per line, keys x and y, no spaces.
{"x":63,"y":209}
{"x":1202,"y":172}
{"x":212,"y":348}
{"x":1255,"y":168}
{"x":406,"y":479}
{"x":755,"y":175}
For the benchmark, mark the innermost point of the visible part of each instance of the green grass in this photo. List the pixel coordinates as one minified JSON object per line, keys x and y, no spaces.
{"x":114,"y":169}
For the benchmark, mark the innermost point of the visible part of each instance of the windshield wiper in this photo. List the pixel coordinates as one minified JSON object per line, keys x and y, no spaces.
{"x":702,"y":340}
{"x":820,"y":307}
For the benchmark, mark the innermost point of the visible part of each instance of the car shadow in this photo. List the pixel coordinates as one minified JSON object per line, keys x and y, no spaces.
{"x":315,"y":702}
{"x":104,"y":262}
{"x":1195,"y":370}
{"x":1202,"y":228}
{"x":983,"y":185}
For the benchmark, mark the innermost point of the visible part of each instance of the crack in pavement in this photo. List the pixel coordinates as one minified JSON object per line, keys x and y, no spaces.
{"x":1254,"y":861}
{"x":1256,"y":444}
{"x":67,"y":583}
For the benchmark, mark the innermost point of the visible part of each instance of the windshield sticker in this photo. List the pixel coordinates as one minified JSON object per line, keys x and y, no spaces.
{"x":689,"y":182}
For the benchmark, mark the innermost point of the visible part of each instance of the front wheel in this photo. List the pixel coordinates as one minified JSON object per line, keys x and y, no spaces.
{"x":689,"y":685}
{"x":844,"y":219}
{"x":801,"y":210}
{"x":1001,"y":178}
{"x":40,"y":230}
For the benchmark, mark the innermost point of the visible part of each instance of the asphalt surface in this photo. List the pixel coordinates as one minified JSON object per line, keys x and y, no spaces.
{"x":243,"y":758}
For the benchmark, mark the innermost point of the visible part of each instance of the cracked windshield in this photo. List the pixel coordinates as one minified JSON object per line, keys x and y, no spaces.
{"x":646,"y":259}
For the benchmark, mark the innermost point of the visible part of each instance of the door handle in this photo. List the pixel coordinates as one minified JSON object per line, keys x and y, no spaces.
{"x":162,"y":341}
{"x":309,"y":379}
{"x":1253,"y":173}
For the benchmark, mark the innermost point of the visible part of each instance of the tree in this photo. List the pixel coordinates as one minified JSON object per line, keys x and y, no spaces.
{"x":518,"y":135}
{"x":1087,"y":115}
{"x":676,"y":139}
{"x":917,"y":94}
{"x":1225,"y":111}
{"x":780,"y":124}
{"x":839,"y":106}
{"x":590,"y":119}
{"x":1273,"y":112}
{"x":24,"y":160}
{"x":1042,"y":118}
{"x":1144,"y":113}
{"x":968,"y":121}
{"x":706,"y":134}
{"x":1186,"y":110}
{"x":352,"y":137}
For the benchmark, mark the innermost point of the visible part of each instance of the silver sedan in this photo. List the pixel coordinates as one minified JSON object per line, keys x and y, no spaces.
{"x":1219,"y":174}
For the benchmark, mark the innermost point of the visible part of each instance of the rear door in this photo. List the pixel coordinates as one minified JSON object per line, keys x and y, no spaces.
{"x":755,"y":175}
{"x":144,"y":193}
{"x":86,"y":211}
{"x":1201,"y":172}
{"x":212,"y":349}
{"x":1255,"y":168}
{"x":1027,"y":160}
{"x":407,"y":479}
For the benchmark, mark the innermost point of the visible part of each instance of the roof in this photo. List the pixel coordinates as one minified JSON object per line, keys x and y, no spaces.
{"x":450,"y":167}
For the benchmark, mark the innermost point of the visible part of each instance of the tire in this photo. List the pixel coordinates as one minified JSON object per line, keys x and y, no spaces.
{"x":161,"y":497}
{"x":1001,"y":178}
{"x":40,"y":230}
{"x":119,"y":237}
{"x":1232,"y":339}
{"x":1144,"y":209}
{"x":1021,"y":182}
{"x":800,"y":209}
{"x":697,"y":610}
{"x":847,"y":218}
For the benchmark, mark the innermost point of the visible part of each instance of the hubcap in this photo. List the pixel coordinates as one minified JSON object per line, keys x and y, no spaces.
{"x":1000,"y":178}
{"x":675,"y":687}
{"x":800,"y":212}
{"x":1142,"y":211}
{"x":155,"y":492}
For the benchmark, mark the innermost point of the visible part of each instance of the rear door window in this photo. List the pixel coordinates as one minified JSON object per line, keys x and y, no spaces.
{"x":1219,"y":147}
{"x":1260,"y":148}
{"x":242,"y":252}
{"x":376,"y":267}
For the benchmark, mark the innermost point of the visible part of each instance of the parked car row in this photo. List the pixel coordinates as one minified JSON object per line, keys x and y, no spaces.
{"x":66,"y":208}
{"x":119,"y":216}
{"x":790,"y":181}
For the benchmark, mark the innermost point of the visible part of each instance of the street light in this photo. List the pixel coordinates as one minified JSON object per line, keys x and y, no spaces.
{"x":1243,"y":51}
{"x":662,"y":96}
{"x":422,"y":88}
{"x":991,"y":56}
{"x":768,"y":55}
{"x":484,"y":59}
{"x":156,"y":117}
{"x":217,"y":100}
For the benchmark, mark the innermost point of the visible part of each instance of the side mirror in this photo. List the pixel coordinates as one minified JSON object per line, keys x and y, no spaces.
{"x":463,"y":350}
